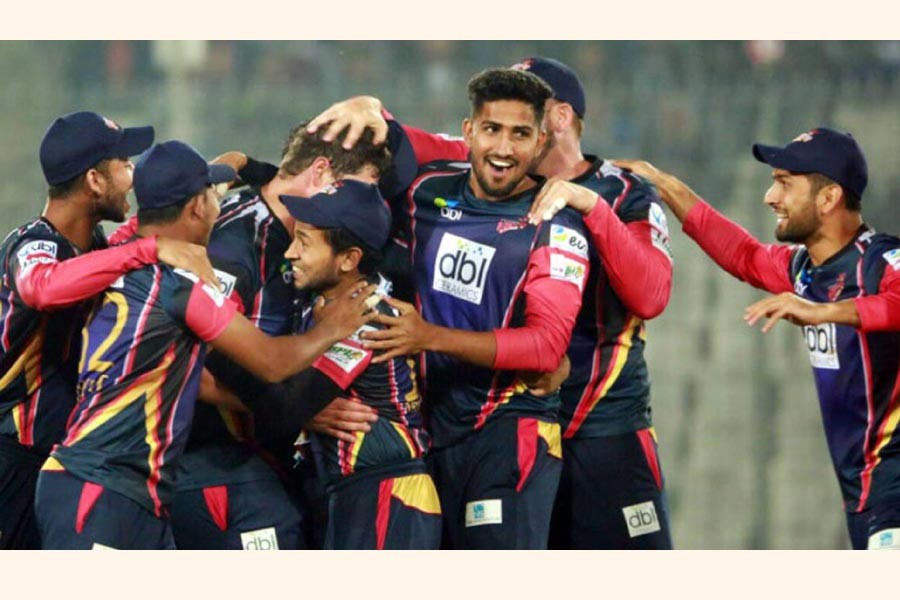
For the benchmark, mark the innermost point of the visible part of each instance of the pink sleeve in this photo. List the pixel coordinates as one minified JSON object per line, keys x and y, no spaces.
{"x":51,"y":284}
{"x":764,"y":266}
{"x":344,"y":362}
{"x":208,"y":312}
{"x":431,"y":146}
{"x":553,"y":300}
{"x":881,"y":312}
{"x":639,"y":272}
{"x":124,"y":232}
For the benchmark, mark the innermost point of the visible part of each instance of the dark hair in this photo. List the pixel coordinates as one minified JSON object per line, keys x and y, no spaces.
{"x":302,"y":148}
{"x":340,"y":240}
{"x":65,"y":189}
{"x":163,"y":215}
{"x":509,"y":84}
{"x":817,"y":181}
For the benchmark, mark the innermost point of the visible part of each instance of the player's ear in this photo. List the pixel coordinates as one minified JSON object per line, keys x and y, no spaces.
{"x":467,"y":127}
{"x":197,"y":206}
{"x":95,"y":181}
{"x":320,"y":169}
{"x":350,"y":259}
{"x":829,"y":198}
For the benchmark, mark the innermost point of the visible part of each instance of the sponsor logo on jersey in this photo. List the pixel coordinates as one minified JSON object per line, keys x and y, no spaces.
{"x":641,"y":519}
{"x":564,"y":238}
{"x":225,"y":280}
{"x":504,"y":225}
{"x":567,"y":269}
{"x":260,"y":539}
{"x":461,"y":267}
{"x":821,"y":341}
{"x":893,"y":258}
{"x":484,"y":512}
{"x":799,"y":286}
{"x":345,"y":357}
{"x":38,"y":251}
{"x":448,"y":208}
{"x":886,"y":539}
{"x":659,"y":229}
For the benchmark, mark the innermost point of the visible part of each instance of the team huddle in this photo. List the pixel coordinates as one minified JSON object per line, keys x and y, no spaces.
{"x":398,"y":340}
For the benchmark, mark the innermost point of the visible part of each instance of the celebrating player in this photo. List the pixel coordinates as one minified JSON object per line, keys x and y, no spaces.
{"x":841,"y":281}
{"x":108,"y":483}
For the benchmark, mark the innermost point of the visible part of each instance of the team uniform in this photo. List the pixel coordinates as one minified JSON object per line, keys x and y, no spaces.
{"x":230,"y":493}
{"x":480,"y":266}
{"x":378,"y":491}
{"x":855,"y":370}
{"x":611,"y":493}
{"x":39,"y":353}
{"x":109,"y":482}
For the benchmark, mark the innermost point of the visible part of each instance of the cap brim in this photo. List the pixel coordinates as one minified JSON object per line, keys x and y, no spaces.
{"x":780,"y":158}
{"x":134,"y":141}
{"x":221,"y":174}
{"x":307,"y":210}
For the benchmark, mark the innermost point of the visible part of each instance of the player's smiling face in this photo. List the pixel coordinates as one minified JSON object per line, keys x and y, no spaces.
{"x":504,"y":138}
{"x":791,"y":199}
{"x":315,"y":266}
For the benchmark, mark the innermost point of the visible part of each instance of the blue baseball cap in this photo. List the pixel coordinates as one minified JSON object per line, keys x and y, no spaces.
{"x":560,"y":77}
{"x":173,"y":171}
{"x":831,"y":153}
{"x":77,"y":141}
{"x":346,"y":204}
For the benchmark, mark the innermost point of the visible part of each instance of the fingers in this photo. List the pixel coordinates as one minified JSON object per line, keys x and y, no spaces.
{"x":776,"y":316}
{"x":404,"y":307}
{"x":389,"y":354}
{"x":323,"y":117}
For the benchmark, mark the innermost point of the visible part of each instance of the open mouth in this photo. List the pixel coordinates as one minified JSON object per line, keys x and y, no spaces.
{"x":500,"y":166}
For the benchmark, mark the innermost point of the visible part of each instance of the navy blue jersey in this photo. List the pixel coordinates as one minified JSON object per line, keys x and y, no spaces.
{"x":608,"y":389}
{"x":248,"y":243}
{"x":38,"y":351}
{"x":856,"y":372}
{"x":479,"y":266}
{"x":141,"y":356}
{"x":390,"y":388}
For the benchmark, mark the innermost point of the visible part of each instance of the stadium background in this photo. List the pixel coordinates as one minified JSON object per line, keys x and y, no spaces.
{"x":735,"y":411}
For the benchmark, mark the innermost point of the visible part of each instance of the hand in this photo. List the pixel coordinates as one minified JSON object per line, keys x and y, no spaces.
{"x":342,"y":418}
{"x":358,"y":113}
{"x":406,"y":334}
{"x":347,"y":312}
{"x":787,"y":306}
{"x":187,"y":256}
{"x":556,"y":195}
{"x":545,"y":384}
{"x":234,"y":159}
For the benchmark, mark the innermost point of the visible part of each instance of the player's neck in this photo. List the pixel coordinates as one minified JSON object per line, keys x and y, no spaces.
{"x":348,"y":280}
{"x":833,"y":236}
{"x":564,"y":161}
{"x":177,"y":230}
{"x":71,"y":217}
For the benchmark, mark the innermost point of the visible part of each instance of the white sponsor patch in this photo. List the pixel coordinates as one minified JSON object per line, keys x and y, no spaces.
{"x":260,"y":539}
{"x":821,"y":341}
{"x":484,"y":512}
{"x":346,"y":357}
{"x":226,"y":280}
{"x":641,"y":519}
{"x":119,"y":283}
{"x":567,"y":269}
{"x":659,"y":229}
{"x":461,"y":267}
{"x":564,"y":238}
{"x":39,"y":251}
{"x":893,"y":258}
{"x":97,"y":546}
{"x":886,"y":539}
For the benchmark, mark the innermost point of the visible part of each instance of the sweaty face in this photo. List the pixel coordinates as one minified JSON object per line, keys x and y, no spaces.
{"x":791,"y":199}
{"x":504,"y":139}
{"x":314,"y":263}
{"x":113,"y":204}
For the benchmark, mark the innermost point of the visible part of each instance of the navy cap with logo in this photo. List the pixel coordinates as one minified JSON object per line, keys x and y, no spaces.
{"x":173,"y":171}
{"x":559,"y":76}
{"x":346,"y":204}
{"x":78,"y":141}
{"x":831,"y":153}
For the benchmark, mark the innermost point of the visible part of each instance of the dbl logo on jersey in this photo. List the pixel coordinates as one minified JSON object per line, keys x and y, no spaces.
{"x":821,"y":340}
{"x":461,"y":267}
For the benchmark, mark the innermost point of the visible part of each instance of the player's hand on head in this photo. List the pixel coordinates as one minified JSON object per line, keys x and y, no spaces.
{"x":787,"y":306}
{"x":187,"y":256}
{"x":233,"y":158}
{"x":555,"y":195}
{"x":348,"y":311}
{"x":357,"y":113}
{"x":342,"y":418}
{"x":544,"y":384}
{"x":404,"y":334}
